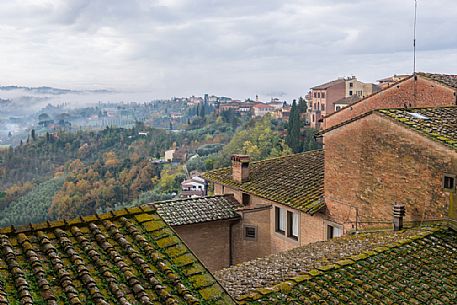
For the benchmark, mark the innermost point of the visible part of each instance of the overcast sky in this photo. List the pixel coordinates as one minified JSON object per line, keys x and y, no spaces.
{"x":236,"y":48}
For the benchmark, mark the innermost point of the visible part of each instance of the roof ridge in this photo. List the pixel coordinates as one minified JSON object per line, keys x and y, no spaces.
{"x":54,"y":224}
{"x":287,"y":285}
{"x":187,"y":199}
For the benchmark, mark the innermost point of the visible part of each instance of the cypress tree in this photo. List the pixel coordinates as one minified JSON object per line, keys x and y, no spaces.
{"x":293,"y":129}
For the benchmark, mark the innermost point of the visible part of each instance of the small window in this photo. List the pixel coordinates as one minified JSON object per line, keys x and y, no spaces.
{"x":280,"y":220}
{"x":350,"y":92}
{"x":292,"y":225}
{"x":315,"y":95}
{"x":246,"y":199}
{"x":351,"y":85}
{"x":323,"y":107}
{"x":250,"y":232}
{"x":337,"y":108}
{"x":449,"y":183}
{"x":333,"y":231}
{"x":323,"y":94}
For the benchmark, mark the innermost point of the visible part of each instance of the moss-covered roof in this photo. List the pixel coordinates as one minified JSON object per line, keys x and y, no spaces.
{"x":268,"y":271}
{"x":128,"y":256}
{"x":199,"y":209}
{"x":416,"y":270}
{"x":439,"y":124}
{"x":445,"y":79}
{"x":295,"y":180}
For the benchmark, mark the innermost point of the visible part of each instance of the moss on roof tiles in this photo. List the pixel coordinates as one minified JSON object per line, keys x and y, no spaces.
{"x":295,"y":180}
{"x":198,"y":210}
{"x":438,"y":124}
{"x":126,"y":257}
{"x":445,"y":79}
{"x":420,"y":269}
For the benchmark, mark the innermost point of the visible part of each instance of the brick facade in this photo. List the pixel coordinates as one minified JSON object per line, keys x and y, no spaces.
{"x":312,"y":228}
{"x":210,"y":241}
{"x":428,"y":94}
{"x":374,"y":162}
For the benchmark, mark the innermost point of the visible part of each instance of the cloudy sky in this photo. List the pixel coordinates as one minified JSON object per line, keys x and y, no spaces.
{"x":236,"y":48}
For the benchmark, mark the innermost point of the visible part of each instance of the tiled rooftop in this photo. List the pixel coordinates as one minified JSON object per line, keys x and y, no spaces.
{"x":439,"y":124}
{"x":417,"y":270}
{"x":197,"y":210}
{"x":348,"y":100}
{"x":274,"y":269}
{"x":295,"y":180}
{"x":328,"y":84}
{"x":124,"y":257}
{"x":445,"y":79}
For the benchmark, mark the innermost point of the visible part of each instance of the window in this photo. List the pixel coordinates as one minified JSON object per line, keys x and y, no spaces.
{"x":350,"y":92}
{"x":449,"y":183}
{"x":280,"y":220}
{"x":250,"y":232}
{"x":292,"y":225}
{"x":333,"y":231}
{"x":246,"y":199}
{"x":351,"y":85}
{"x":319,"y":95}
{"x":323,"y":94}
{"x":337,"y":108}
{"x":323,"y":107}
{"x":315,"y":95}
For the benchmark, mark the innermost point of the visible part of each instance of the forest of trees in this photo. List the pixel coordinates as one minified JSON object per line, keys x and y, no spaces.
{"x":63,"y":175}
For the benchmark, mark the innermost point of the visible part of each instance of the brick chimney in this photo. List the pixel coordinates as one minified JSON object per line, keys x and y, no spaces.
{"x":240,"y":168}
{"x":399,"y":213}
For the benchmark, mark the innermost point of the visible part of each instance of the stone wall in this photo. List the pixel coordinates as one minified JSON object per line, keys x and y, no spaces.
{"x":374,"y":162}
{"x":428,"y":94}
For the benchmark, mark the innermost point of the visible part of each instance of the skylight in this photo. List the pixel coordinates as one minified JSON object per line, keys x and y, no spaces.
{"x":418,"y":116}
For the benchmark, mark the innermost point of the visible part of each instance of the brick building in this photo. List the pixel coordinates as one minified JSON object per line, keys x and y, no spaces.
{"x":406,"y":156}
{"x":323,"y":97}
{"x":281,"y":198}
{"x":422,"y":90}
{"x":206,"y":225}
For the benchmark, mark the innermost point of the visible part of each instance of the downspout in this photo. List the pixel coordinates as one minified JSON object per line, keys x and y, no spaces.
{"x":230,"y":244}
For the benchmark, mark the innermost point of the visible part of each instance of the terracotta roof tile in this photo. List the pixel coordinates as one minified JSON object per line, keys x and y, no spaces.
{"x":197,"y":210}
{"x":295,"y":180}
{"x":439,"y":124}
{"x":124,"y":257}
{"x":417,"y":270}
{"x":271,"y":270}
{"x":445,"y":79}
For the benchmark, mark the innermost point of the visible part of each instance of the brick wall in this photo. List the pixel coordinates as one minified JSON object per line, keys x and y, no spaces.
{"x":374,"y":162}
{"x":246,"y":249}
{"x":428,"y":94}
{"x":209,"y":241}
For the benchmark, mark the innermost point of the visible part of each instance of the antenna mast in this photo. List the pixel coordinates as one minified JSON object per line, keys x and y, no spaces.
{"x":414,"y":41}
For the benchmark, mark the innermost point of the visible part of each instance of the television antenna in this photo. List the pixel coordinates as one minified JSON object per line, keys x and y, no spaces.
{"x":414,"y":40}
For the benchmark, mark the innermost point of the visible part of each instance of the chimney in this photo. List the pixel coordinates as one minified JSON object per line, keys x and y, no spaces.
{"x":240,"y":168}
{"x":399,"y":213}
